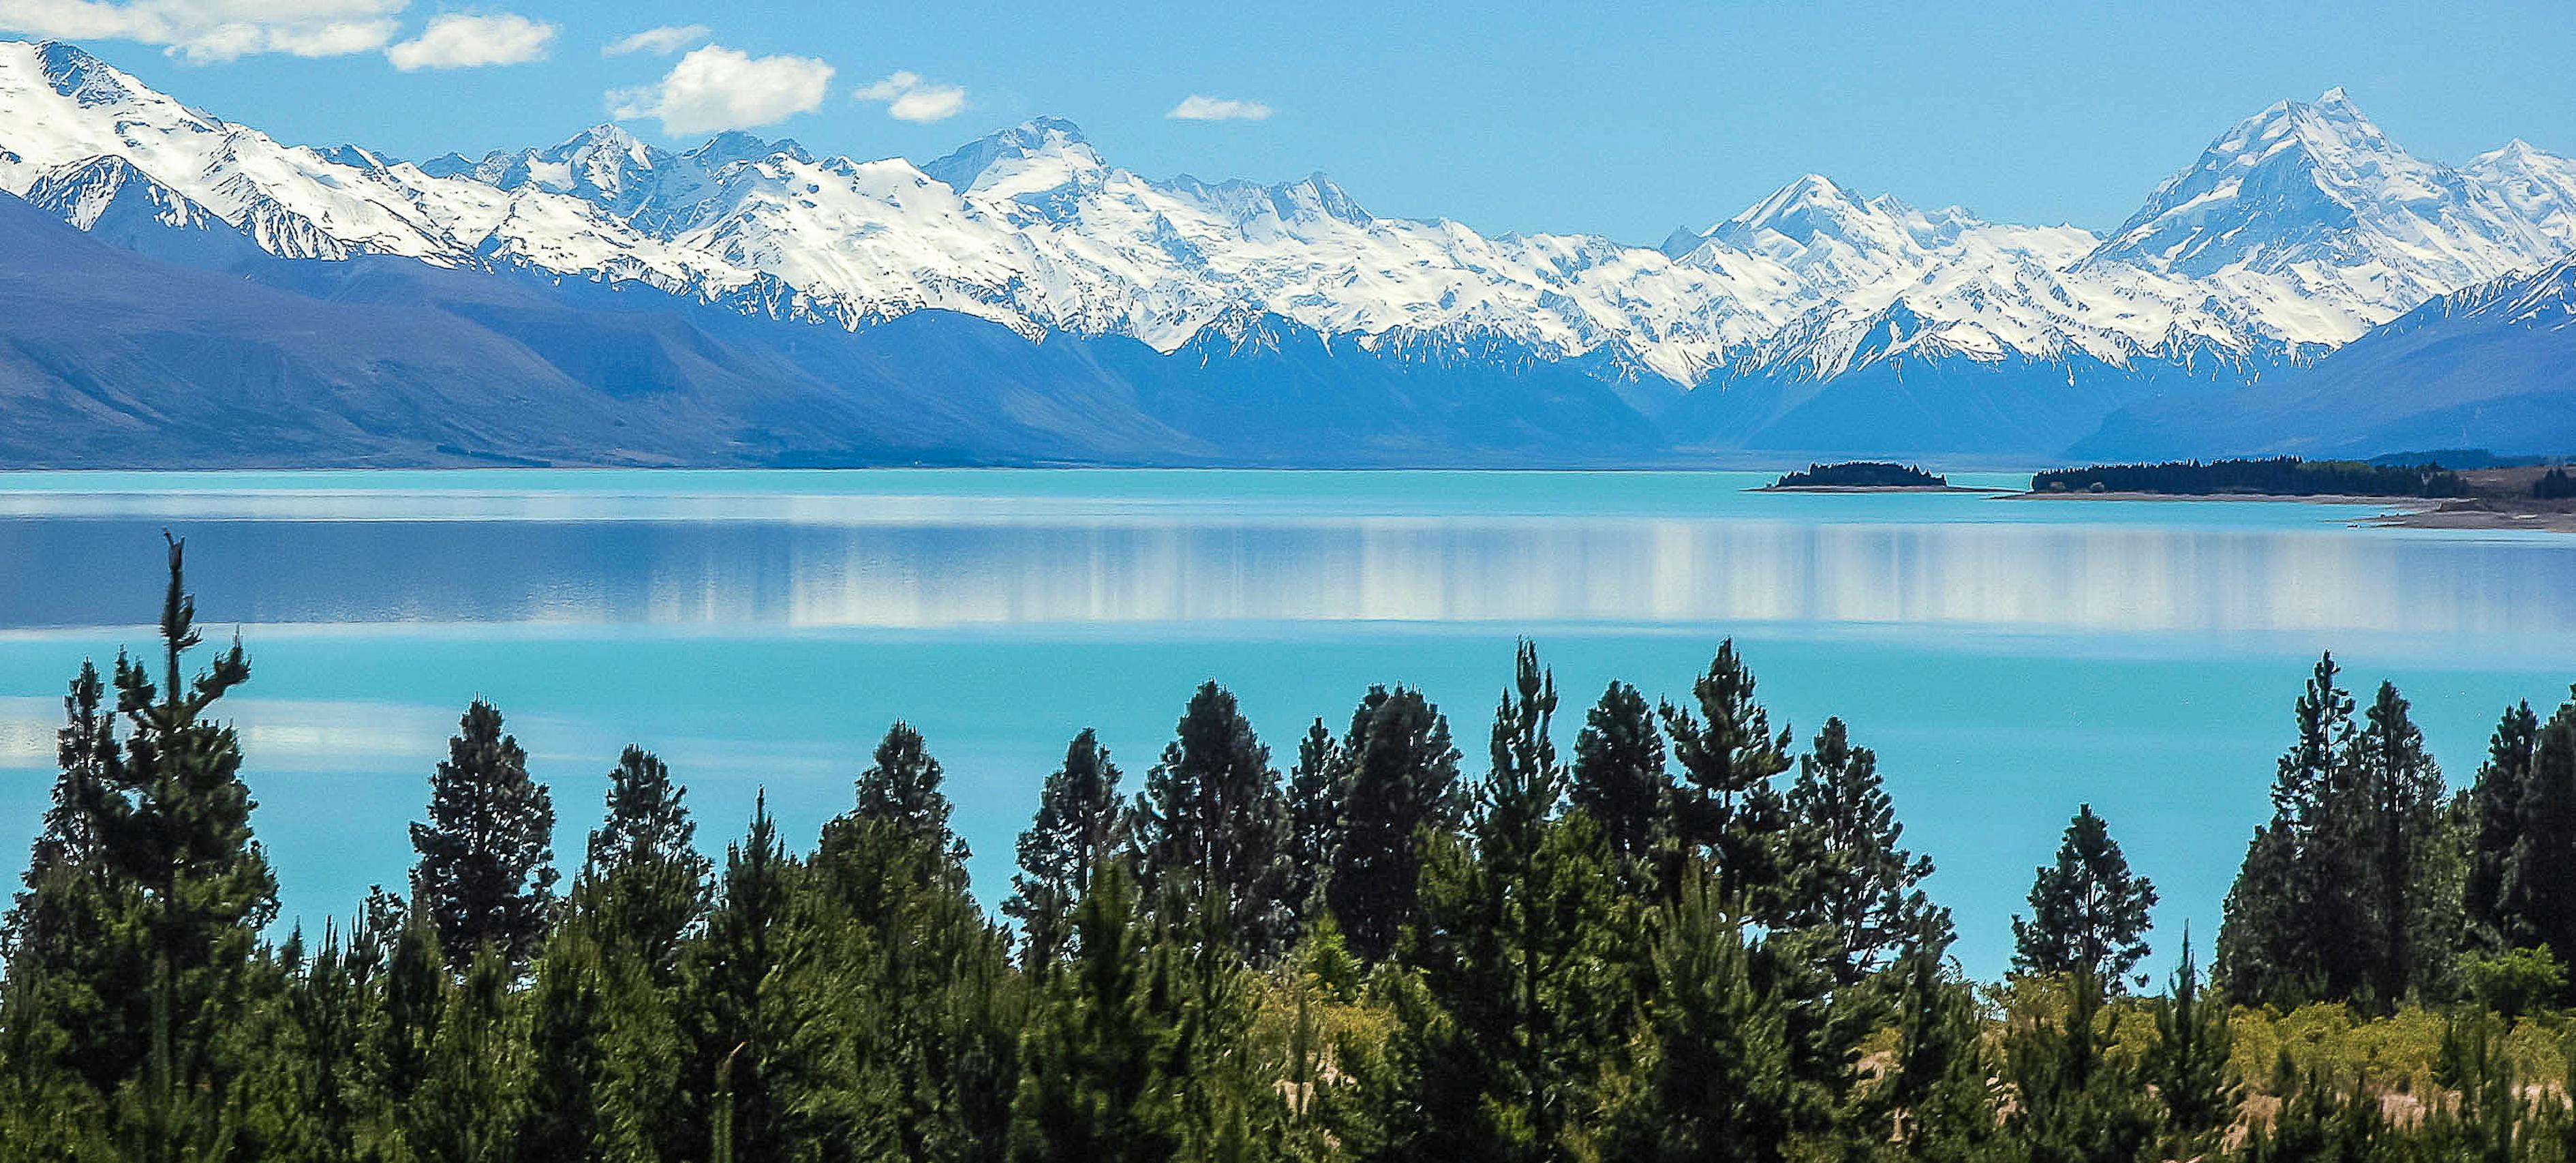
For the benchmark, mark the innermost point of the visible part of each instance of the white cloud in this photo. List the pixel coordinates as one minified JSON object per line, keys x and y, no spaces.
{"x":457,"y":40}
{"x":1196,"y":107}
{"x":212,"y":31}
{"x":718,"y":88}
{"x":909,"y":98}
{"x":660,"y":42}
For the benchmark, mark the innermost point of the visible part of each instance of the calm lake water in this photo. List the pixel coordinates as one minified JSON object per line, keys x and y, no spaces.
{"x":2008,"y":659}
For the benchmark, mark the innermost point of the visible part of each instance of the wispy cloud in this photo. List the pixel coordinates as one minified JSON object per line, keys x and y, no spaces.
{"x":909,"y":98}
{"x":457,"y":40}
{"x":1199,"y":107}
{"x":214,"y":31}
{"x":660,"y":42}
{"x":715,"y":88}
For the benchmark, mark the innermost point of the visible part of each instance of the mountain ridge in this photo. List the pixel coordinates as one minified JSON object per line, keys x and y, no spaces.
{"x":2298,"y":231}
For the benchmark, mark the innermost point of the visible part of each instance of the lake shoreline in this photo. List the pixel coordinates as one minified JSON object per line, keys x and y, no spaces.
{"x":2466,"y":513}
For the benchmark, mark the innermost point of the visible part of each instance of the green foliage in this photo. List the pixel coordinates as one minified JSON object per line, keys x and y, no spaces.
{"x":486,"y":872}
{"x":1619,"y":777}
{"x":1590,"y":962}
{"x":2515,"y":982}
{"x":1076,"y":832}
{"x":2286,"y":476}
{"x":1848,"y":883}
{"x":1727,"y":806}
{"x":2088,"y":912}
{"x":1861,"y":474}
{"x":1213,"y":826}
{"x":2189,"y":1064}
{"x":1402,"y":779}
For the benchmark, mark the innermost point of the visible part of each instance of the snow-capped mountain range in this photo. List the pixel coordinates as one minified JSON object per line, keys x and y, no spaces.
{"x":2297,"y":231}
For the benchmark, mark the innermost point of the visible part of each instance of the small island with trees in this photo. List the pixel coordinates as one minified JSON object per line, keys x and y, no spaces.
{"x":1858,"y":476}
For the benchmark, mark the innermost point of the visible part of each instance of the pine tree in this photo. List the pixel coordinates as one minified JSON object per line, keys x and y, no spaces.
{"x":2495,"y":808}
{"x":2189,"y":1065}
{"x":2408,"y":855}
{"x":645,"y":882}
{"x":1403,"y":778}
{"x":902,"y":936}
{"x":1212,"y":826}
{"x":2088,"y":913}
{"x":486,"y":873}
{"x":1075,"y":833}
{"x":1314,"y":791}
{"x":781,"y":1036}
{"x":1714,"y":1079}
{"x":1100,"y":1081}
{"x":471,"y":1101}
{"x":1619,"y":776}
{"x":184,"y":841}
{"x":1727,"y":804}
{"x":2532,"y":897}
{"x":1848,"y":881}
{"x":1526,"y":981}
{"x":2288,"y":928}
{"x":76,"y":953}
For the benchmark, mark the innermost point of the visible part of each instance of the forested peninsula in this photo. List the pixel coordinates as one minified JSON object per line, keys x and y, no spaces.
{"x":1690,"y":937}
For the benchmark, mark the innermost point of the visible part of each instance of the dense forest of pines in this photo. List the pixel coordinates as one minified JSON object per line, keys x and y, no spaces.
{"x":1693,"y":937}
{"x":2282,"y":476}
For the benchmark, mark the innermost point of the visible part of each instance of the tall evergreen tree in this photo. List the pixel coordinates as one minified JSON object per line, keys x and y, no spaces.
{"x":1314,"y":791}
{"x":184,"y":841}
{"x":1727,"y":804}
{"x":2288,"y":924}
{"x":1212,"y":826}
{"x":1526,"y":978}
{"x":923,"y":968}
{"x":2088,"y":912}
{"x":77,"y":960}
{"x":486,"y":872}
{"x":1102,"y":1064}
{"x":1619,"y":778}
{"x":1403,"y":779}
{"x":1714,"y":1078}
{"x":1849,"y":882}
{"x":2408,"y":855}
{"x":2532,"y":898}
{"x":780,"y":1037}
{"x":2495,"y":810}
{"x":1076,"y":832}
{"x":644,"y":877}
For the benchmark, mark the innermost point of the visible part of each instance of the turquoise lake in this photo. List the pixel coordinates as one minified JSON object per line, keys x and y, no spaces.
{"x":2008,"y":659}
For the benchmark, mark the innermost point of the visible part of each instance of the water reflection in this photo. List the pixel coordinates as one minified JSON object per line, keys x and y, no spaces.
{"x":929,"y":572}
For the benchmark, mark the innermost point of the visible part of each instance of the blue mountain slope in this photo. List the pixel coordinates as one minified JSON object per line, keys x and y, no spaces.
{"x":2492,"y":367}
{"x":110,"y":358}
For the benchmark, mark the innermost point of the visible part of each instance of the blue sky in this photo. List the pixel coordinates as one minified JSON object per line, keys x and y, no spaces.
{"x":1626,"y":120}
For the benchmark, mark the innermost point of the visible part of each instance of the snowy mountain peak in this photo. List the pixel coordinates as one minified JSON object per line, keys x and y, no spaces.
{"x":2310,"y":202}
{"x":994,"y":157}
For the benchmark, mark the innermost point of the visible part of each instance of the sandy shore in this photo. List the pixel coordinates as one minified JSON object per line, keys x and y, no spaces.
{"x":2398,"y":512}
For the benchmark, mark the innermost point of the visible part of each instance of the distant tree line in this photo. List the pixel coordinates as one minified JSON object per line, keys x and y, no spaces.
{"x":2279,"y":476}
{"x":1861,"y":474}
{"x":1691,"y":938}
{"x":2554,"y":485}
